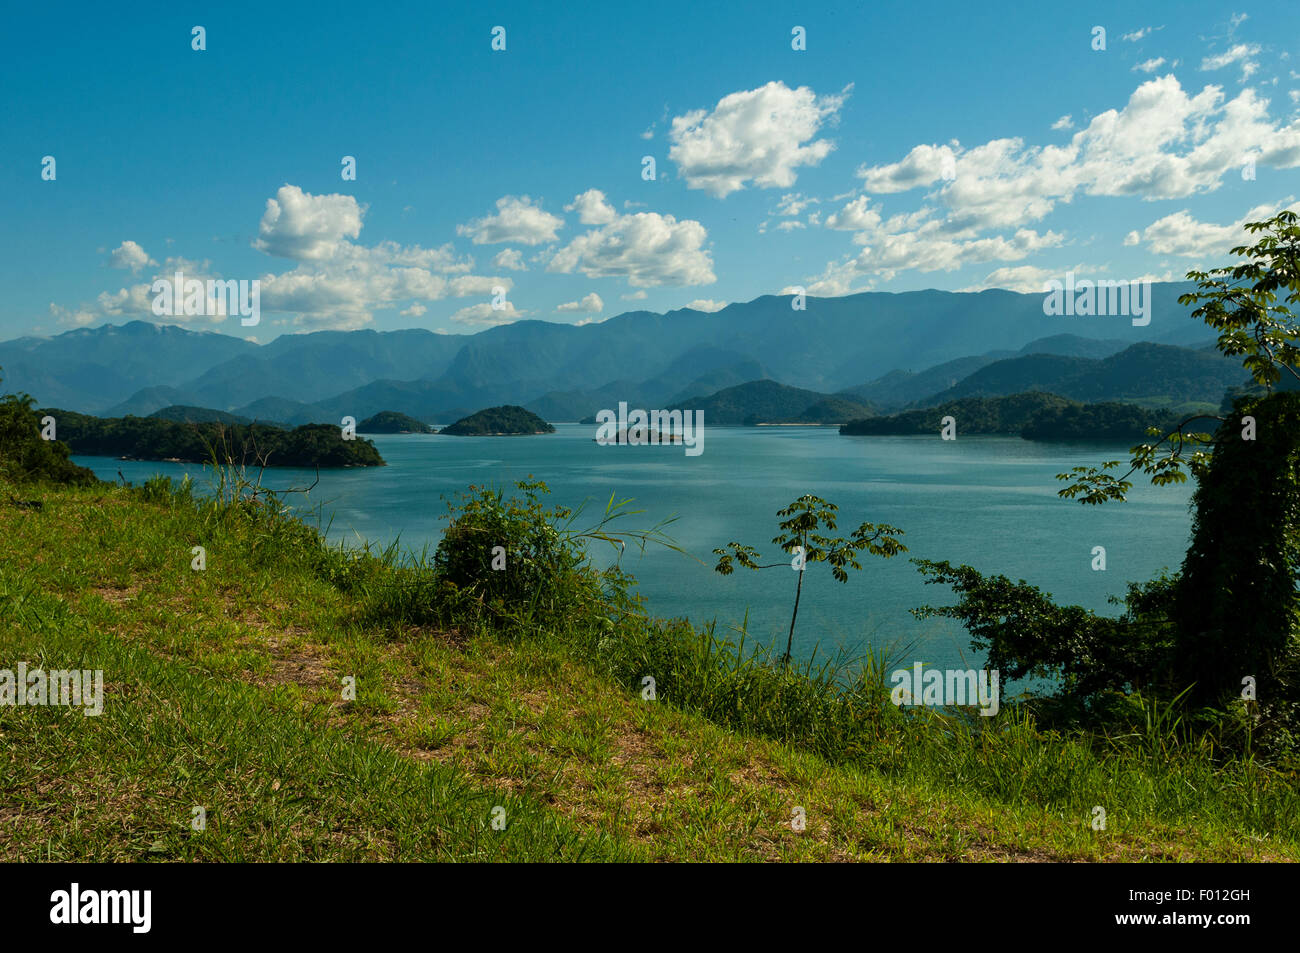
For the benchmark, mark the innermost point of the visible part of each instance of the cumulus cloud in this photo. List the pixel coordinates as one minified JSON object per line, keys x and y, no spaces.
{"x":758,"y":136}
{"x":484,"y":314}
{"x":511,"y":259}
{"x":590,"y":304}
{"x":1164,"y":143}
{"x":130,"y":255}
{"x":707,"y":305}
{"x":1027,"y":279}
{"x":1182,"y":235}
{"x":645,"y":248}
{"x":306,"y":227}
{"x":517,"y":219}
{"x":592,"y":208}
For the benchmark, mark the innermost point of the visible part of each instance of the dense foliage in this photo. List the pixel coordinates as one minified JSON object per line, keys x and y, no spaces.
{"x":507,"y":419}
{"x":144,"y":438}
{"x":1028,"y":635}
{"x":1238,"y":608}
{"x":24,"y":456}
{"x":1104,"y":421}
{"x":184,"y":414}
{"x":390,"y":421}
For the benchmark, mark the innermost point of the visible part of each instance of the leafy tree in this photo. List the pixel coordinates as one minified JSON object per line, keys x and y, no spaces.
{"x":1238,"y":608}
{"x":1236,"y":603}
{"x":1242,"y":303}
{"x":24,"y":456}
{"x":1026,"y":634}
{"x":803,"y":518}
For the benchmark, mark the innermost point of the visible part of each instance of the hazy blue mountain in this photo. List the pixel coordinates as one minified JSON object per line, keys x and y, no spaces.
{"x":769,"y":402}
{"x":291,"y":412}
{"x":901,"y":388}
{"x":1071,"y":345}
{"x":1139,"y":371}
{"x":145,"y":401}
{"x":95,"y":368}
{"x":835,"y":343}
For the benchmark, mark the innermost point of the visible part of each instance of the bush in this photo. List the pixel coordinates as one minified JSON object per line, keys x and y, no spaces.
{"x":512,"y":559}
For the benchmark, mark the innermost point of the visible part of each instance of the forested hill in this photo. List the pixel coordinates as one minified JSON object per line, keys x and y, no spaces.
{"x":499,"y":421}
{"x":144,"y":438}
{"x":1034,"y":416}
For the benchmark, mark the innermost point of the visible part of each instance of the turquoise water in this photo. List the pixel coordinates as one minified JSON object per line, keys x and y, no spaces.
{"x":987,"y":501}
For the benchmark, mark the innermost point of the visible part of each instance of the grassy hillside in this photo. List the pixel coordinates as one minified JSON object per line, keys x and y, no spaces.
{"x":223,"y":690}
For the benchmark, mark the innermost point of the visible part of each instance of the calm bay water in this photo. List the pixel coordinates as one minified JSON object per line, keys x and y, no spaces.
{"x":987,"y":501}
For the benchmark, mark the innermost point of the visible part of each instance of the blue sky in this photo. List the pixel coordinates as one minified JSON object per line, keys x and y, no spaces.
{"x":909,"y":146}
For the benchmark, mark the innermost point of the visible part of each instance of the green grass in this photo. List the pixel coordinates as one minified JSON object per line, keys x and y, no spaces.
{"x":223,"y":690}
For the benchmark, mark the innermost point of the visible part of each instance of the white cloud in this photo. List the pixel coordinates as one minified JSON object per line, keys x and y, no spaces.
{"x":130,"y":255}
{"x":517,"y":219}
{"x":1027,"y":279}
{"x":645,"y":248}
{"x":790,"y":226}
{"x":306,"y":227}
{"x":1065,"y":122}
{"x":922,"y":166}
{"x":74,"y":317}
{"x":592,"y":208}
{"x":1163,"y":144}
{"x":1151,"y":65}
{"x":336,"y":283}
{"x":1137,"y":34}
{"x":484,"y":314}
{"x":1236,"y":54}
{"x":758,"y":136}
{"x":635,"y":296}
{"x":511,"y":259}
{"x":1239,"y":53}
{"x":1182,"y":235}
{"x":590,"y":304}
{"x":793,"y":203}
{"x":414,"y":311}
{"x":707,"y":305}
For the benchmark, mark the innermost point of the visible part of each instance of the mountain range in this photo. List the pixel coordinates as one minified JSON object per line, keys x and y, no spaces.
{"x":887,"y":350}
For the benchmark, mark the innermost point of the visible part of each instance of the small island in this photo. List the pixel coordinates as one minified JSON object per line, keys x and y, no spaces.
{"x":151,"y":438}
{"x":507,"y":420}
{"x":390,"y":421}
